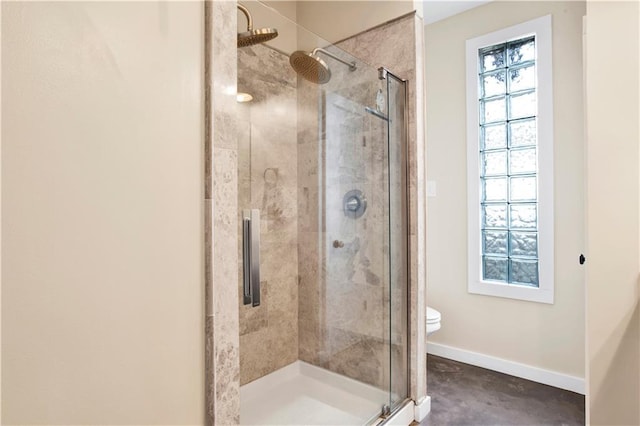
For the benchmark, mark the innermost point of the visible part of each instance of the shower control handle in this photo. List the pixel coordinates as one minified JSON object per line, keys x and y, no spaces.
{"x":352,"y":204}
{"x":251,"y":257}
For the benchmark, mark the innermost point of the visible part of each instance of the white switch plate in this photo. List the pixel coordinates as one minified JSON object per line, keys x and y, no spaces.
{"x":431,"y":188}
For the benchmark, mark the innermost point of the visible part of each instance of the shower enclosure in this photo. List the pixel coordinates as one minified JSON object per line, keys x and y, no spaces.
{"x":323,"y":270}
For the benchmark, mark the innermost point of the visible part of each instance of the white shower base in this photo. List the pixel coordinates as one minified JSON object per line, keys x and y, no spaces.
{"x":303,"y":394}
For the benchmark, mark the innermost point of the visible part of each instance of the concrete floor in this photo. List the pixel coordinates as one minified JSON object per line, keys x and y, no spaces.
{"x":462,"y":394}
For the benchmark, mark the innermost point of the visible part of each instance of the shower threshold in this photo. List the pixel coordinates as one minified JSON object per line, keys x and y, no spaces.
{"x":303,"y":394}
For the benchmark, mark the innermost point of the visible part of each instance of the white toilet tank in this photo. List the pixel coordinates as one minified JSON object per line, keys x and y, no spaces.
{"x":433,"y":320}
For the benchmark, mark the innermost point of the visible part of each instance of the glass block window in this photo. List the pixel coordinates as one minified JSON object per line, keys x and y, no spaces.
{"x":508,"y":155}
{"x":510,"y":162}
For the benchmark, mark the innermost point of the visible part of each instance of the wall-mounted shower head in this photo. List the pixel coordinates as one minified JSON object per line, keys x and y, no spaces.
{"x":310,"y":67}
{"x":314,"y":69}
{"x":251,"y":36}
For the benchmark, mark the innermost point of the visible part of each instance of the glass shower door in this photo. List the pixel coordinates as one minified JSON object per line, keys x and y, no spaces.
{"x":363,"y":193}
{"x":356,"y":238}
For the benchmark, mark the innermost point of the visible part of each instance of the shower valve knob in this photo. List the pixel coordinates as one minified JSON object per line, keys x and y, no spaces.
{"x":338,"y":244}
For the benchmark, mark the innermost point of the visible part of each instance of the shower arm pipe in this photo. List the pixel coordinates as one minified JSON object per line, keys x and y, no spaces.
{"x":248,"y":16}
{"x":352,"y":65}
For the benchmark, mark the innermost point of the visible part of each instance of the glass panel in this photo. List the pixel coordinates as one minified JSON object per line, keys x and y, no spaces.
{"x":521,"y":51}
{"x":522,"y":133}
{"x":524,"y":272}
{"x":523,"y":188}
{"x":494,"y":84}
{"x":521,"y":106}
{"x":398,"y":266}
{"x":343,"y":138}
{"x":493,"y":59}
{"x":494,"y":163}
{"x":494,"y":110}
{"x":494,"y":137}
{"x":523,"y":244}
{"x":494,"y":242}
{"x":494,"y":215}
{"x":495,"y":268}
{"x":354,"y":313}
{"x":523,"y":216}
{"x":494,"y":189}
{"x":522,"y":160}
{"x":264,"y":173}
{"x":522,"y":78}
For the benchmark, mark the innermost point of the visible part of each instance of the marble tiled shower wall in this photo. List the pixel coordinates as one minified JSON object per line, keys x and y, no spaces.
{"x":343,"y":300}
{"x":344,"y":297}
{"x":399,"y":45}
{"x":222,"y":387}
{"x":267,"y":180}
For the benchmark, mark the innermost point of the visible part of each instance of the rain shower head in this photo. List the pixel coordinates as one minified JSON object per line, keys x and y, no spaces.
{"x":251,"y":36}
{"x":312,"y":68}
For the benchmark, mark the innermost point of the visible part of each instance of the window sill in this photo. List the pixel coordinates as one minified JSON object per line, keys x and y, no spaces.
{"x":512,"y":291}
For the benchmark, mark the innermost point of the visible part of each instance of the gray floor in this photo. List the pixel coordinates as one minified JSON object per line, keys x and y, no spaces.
{"x":462,"y":394}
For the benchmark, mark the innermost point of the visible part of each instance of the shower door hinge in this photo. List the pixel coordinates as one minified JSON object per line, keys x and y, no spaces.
{"x":382,"y":73}
{"x":386,"y":410}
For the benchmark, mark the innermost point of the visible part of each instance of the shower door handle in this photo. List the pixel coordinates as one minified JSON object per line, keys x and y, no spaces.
{"x":251,"y":257}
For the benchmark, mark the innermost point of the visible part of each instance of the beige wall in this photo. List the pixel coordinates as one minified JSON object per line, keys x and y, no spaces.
{"x":322,"y":22}
{"x":545,"y":336}
{"x":102,"y":280}
{"x":337,"y":20}
{"x":613,"y":212}
{"x":287,"y":8}
{"x":330,"y":20}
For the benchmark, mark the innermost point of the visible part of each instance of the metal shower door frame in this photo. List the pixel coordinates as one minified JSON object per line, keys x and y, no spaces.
{"x":386,"y":74}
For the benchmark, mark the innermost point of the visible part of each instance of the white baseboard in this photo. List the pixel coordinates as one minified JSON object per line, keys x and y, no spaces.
{"x":422,"y":409}
{"x":535,"y":374}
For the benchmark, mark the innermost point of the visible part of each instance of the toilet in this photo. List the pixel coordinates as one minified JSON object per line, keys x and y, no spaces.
{"x":433,"y":320}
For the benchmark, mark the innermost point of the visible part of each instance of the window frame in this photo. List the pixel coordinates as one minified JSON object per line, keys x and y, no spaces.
{"x":541,"y":29}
